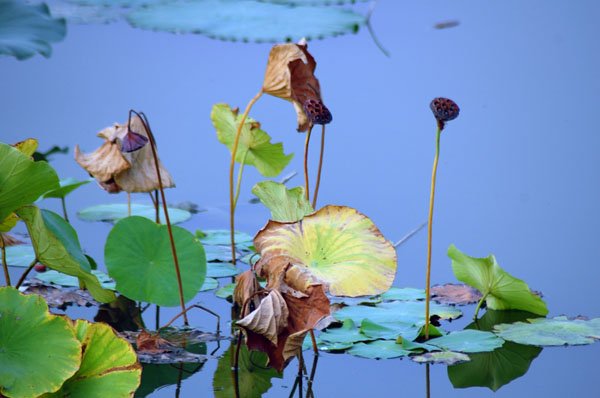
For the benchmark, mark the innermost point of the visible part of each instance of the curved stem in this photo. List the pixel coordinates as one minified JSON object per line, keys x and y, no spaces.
{"x":314,"y":203}
{"x":22,"y":278}
{"x":239,"y":180}
{"x":64,"y":208}
{"x":479,"y":306}
{"x":306,"y":160}
{"x":231,"y":168}
{"x":4,"y":265}
{"x":433,"y":175}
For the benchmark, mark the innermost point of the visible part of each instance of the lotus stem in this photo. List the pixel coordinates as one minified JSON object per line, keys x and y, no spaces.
{"x":164,"y":202}
{"x":129,"y":204}
{"x":428,"y":282}
{"x":64,"y":208}
{"x":427,"y":383}
{"x":309,"y":392}
{"x":306,"y":160}
{"x":185,"y":310}
{"x":157,"y":317}
{"x":156,"y":206}
{"x":232,"y":167}
{"x":27,"y":271}
{"x":239,"y":179}
{"x":314,"y":203}
{"x":4,"y":265}
{"x":314,"y":342}
{"x":479,"y":305}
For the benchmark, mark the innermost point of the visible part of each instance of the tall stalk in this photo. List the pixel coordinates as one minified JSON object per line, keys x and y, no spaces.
{"x":306,"y":160}
{"x":314,"y":203}
{"x":231,"y":170}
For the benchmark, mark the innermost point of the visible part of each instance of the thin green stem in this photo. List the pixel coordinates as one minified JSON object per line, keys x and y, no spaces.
{"x":239,"y":180}
{"x":232,"y":167}
{"x":22,"y":278}
{"x":306,"y":160}
{"x":4,"y":265}
{"x":479,"y":305}
{"x":64,"y":207}
{"x":428,"y":282}
{"x":314,"y":203}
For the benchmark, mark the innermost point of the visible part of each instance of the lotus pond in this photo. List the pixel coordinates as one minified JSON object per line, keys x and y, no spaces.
{"x":516,"y":177}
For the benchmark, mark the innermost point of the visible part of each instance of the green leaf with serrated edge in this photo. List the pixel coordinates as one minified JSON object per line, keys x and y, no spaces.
{"x":61,"y":279}
{"x":109,"y":365}
{"x":551,"y":332}
{"x":26,"y":30}
{"x":405,"y":293}
{"x":209,"y":284}
{"x":285,"y":204}
{"x":67,"y":185}
{"x":38,"y":350}
{"x":255,"y":147}
{"x":67,"y":236}
{"x":501,"y":290}
{"x":444,"y":357}
{"x":138,"y":257}
{"x":383,"y":349}
{"x":22,"y":180}
{"x":221,"y":270}
{"x":468,"y":341}
{"x":51,"y":252}
{"x":348,"y":333}
{"x":407,"y":311}
{"x":247,"y":20}
{"x":117,"y":211}
{"x":19,"y":255}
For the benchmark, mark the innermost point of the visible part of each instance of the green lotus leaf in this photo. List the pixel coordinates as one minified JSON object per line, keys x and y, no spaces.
{"x":22,"y":180}
{"x":209,"y":284}
{"x":225,"y":291}
{"x":416,"y":347}
{"x":444,"y":357}
{"x":551,"y":332}
{"x":155,"y":377}
{"x":468,"y":341}
{"x":19,"y":256}
{"x":116,"y":211}
{"x":383,"y":349}
{"x":109,"y":365}
{"x":348,"y":333}
{"x":288,"y":205}
{"x":67,"y":236}
{"x":38,"y":350}
{"x":85,"y":14}
{"x":221,"y":270}
{"x":389,"y":330}
{"x":217,"y":253}
{"x":255,"y":147}
{"x":406,"y":293}
{"x":223,"y":237}
{"x":61,"y":279}
{"x":51,"y":252}
{"x":500,"y":290}
{"x":247,"y":20}
{"x":336,"y":246}
{"x":67,"y":185}
{"x":393,"y":311}
{"x":9,"y":222}
{"x":26,"y":30}
{"x":253,"y":374}
{"x":138,"y":257}
{"x":324,"y":345}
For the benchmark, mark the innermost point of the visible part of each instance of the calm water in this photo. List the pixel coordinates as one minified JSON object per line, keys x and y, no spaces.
{"x":518,"y":175}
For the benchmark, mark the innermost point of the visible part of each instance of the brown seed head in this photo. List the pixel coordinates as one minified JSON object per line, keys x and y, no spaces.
{"x":317,"y":112}
{"x":444,"y":109}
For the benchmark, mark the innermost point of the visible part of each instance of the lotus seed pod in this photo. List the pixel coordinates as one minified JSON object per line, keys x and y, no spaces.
{"x":444,"y":109}
{"x":317,"y":112}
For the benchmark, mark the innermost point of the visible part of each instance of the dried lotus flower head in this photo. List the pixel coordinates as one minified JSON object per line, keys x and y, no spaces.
{"x":444,"y":110}
{"x":317,"y":112}
{"x":128,"y":171}
{"x":290,"y":75}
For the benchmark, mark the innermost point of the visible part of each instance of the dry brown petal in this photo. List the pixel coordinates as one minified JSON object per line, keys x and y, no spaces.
{"x":246,"y":285}
{"x":104,"y":162}
{"x":269,"y":319}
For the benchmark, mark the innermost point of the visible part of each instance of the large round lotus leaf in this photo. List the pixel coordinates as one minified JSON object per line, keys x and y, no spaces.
{"x":28,"y":29}
{"x":383,"y":349}
{"x":554,"y":331}
{"x":22,"y":180}
{"x":138,"y":257}
{"x":116,"y":211}
{"x":19,"y":256}
{"x":109,"y":365}
{"x":38,"y":351}
{"x":394,"y":311}
{"x":468,"y":341}
{"x":247,"y":20}
{"x":336,"y":246}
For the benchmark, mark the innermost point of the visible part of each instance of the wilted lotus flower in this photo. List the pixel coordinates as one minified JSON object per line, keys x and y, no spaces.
{"x":128,"y":171}
{"x":290,"y":75}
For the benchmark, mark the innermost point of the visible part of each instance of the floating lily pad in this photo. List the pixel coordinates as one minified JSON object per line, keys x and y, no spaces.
{"x":58,"y":278}
{"x":217,"y":253}
{"x":26,"y":30}
{"x":324,"y":345}
{"x":85,"y":14}
{"x":255,"y":147}
{"x":389,"y":330}
{"x":223,"y":237}
{"x":551,"y":332}
{"x":500,"y":290}
{"x":468,"y":341}
{"x":67,"y":185}
{"x":116,"y":211}
{"x":459,"y":294}
{"x":443,"y":357}
{"x":286,"y":205}
{"x":38,"y":351}
{"x":248,"y":20}
{"x":379,"y":349}
{"x":221,"y":270}
{"x":407,"y":311}
{"x":336,"y":246}
{"x":22,"y":180}
{"x":209,"y":284}
{"x":138,"y":257}
{"x":406,"y":293}
{"x":109,"y":365}
{"x":346,"y":334}
{"x":19,"y":255}
{"x":118,"y":3}
{"x":225,"y":291}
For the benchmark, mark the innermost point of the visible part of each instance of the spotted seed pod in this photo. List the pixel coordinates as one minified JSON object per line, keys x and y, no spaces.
{"x":444,"y":109}
{"x":317,"y":112}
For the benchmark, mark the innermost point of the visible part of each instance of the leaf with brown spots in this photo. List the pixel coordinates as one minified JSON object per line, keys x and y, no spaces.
{"x":451,"y":293}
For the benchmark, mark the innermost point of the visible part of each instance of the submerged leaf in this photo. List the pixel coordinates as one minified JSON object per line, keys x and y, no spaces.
{"x":501,"y":290}
{"x":551,"y":332}
{"x":288,"y":205}
{"x":337,"y":246}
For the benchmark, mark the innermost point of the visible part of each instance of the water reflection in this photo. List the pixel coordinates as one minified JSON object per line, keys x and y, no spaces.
{"x":159,"y":376}
{"x":122,"y":314}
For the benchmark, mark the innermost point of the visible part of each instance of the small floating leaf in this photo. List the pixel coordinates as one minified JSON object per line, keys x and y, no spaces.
{"x":19,"y":255}
{"x":383,"y":349}
{"x":406,"y":293}
{"x":221,"y":270}
{"x":407,"y":311}
{"x":61,"y":279}
{"x":116,"y":211}
{"x":288,"y":205}
{"x":468,"y":341}
{"x":222,"y":237}
{"x":225,"y":291}
{"x":551,"y":332}
{"x":443,"y":357}
{"x":390,"y":330}
{"x":346,"y":334}
{"x":501,"y":290}
{"x":209,"y":284}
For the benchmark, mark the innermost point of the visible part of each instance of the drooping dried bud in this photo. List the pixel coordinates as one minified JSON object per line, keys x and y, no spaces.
{"x":444,"y":109}
{"x":132,"y":142}
{"x":317,"y":112}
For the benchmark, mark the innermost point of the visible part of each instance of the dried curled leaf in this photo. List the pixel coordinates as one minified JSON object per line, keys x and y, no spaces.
{"x":246,"y":285}
{"x":152,"y":343}
{"x":269,"y":319}
{"x":104,"y":163}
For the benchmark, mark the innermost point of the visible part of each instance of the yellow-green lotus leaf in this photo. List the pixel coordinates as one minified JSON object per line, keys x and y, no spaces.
{"x":337,"y":246}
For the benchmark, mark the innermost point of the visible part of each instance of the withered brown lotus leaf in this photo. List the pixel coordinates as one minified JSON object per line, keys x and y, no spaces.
{"x":269,"y":319}
{"x":152,"y":343}
{"x":246,"y":285}
{"x":104,"y":163}
{"x":455,"y":294}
